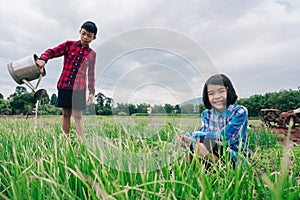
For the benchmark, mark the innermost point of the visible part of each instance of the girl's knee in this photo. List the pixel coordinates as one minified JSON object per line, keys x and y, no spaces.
{"x":77,"y":115}
{"x":67,"y":113}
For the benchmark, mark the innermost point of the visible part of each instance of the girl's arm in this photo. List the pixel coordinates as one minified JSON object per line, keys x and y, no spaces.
{"x":204,"y":130}
{"x":231,"y":131}
{"x":91,"y":73}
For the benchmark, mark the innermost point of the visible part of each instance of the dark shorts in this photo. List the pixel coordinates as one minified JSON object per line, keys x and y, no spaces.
{"x":73,"y":99}
{"x":208,"y":143}
{"x":215,"y":148}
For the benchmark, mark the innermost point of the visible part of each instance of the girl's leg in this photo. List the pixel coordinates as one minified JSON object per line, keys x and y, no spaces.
{"x":66,"y":120}
{"x":219,"y":151}
{"x":201,"y":149}
{"x":204,"y":152}
{"x":77,"y":114}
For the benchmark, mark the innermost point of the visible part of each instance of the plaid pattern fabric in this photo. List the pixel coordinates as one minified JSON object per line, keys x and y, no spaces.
{"x":230,"y":125}
{"x":77,"y":60}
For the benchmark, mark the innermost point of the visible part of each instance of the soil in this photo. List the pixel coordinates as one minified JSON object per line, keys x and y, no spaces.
{"x":295,"y":134}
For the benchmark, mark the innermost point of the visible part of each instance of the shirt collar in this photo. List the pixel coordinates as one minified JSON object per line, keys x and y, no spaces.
{"x":79,"y":44}
{"x":223,"y":114}
{"x":217,"y":113}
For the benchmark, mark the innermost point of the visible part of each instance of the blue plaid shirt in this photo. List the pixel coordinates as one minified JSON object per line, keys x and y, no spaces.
{"x":231,"y":125}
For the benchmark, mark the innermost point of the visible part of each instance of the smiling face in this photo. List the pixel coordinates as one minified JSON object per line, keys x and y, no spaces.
{"x":86,"y":37}
{"x":217,"y":96}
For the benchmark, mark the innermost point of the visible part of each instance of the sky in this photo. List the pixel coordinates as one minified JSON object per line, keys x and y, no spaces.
{"x":161,"y":52}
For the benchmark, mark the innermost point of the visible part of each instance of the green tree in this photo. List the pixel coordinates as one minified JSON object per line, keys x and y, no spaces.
{"x":19,"y":91}
{"x":4,"y":107}
{"x":282,"y":100}
{"x":188,"y":109}
{"x":23,"y":103}
{"x":45,"y":100}
{"x":201,"y":107}
{"x":121,"y":107}
{"x":108,"y":102}
{"x":142,"y":108}
{"x":100,"y":97}
{"x":107,"y":109}
{"x":177,"y":109}
{"x":132,"y":109}
{"x":53,"y":99}
{"x":168,"y":108}
{"x":158,"y":109}
{"x":48,"y":109}
{"x":103,"y":104}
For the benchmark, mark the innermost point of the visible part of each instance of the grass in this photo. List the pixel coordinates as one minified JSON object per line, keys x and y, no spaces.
{"x":136,"y":159}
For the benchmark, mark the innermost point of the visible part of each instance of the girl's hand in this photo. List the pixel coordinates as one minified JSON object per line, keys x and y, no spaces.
{"x":184,"y":141}
{"x":90,"y":99}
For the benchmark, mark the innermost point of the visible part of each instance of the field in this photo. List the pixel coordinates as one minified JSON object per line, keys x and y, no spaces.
{"x":136,"y":158}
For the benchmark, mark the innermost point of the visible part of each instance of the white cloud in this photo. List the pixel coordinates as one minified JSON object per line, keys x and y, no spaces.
{"x":254,"y":42}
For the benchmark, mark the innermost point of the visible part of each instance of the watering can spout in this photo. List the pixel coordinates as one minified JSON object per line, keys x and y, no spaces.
{"x":26,"y":70}
{"x":38,"y":94}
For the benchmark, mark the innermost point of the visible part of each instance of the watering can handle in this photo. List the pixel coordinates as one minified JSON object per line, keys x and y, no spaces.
{"x":38,"y":82}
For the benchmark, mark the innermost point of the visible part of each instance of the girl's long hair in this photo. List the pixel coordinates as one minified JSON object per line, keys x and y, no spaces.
{"x":219,"y":79}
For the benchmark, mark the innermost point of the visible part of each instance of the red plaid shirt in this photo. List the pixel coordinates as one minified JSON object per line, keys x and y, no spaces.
{"x":77,"y":60}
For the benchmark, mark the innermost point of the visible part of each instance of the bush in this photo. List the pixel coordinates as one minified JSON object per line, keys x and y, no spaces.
{"x":140,"y":114}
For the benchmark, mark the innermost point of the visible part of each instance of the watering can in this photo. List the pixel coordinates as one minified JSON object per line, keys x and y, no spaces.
{"x":25,"y":70}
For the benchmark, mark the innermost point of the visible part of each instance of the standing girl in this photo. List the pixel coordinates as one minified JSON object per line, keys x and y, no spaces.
{"x":223,"y":122}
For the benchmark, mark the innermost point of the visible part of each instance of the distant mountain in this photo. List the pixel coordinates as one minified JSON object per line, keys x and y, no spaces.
{"x":195,"y":101}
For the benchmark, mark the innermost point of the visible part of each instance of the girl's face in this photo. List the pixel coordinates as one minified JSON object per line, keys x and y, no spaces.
{"x":217,"y":95}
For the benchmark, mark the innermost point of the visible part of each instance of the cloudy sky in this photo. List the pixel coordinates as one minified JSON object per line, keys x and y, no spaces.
{"x":161,"y":51}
